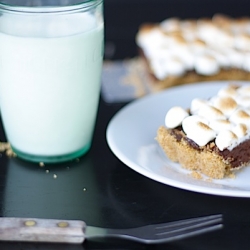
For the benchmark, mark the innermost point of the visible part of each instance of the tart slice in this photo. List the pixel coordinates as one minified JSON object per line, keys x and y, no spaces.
{"x":213,"y":136}
{"x":180,"y":51}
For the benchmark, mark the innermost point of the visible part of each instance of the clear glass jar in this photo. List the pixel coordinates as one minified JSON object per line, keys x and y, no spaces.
{"x":51,"y":55}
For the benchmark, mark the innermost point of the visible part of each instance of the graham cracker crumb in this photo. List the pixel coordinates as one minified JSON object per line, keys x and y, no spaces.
{"x":10,"y":153}
{"x":5,"y":147}
{"x":41,"y":164}
{"x":196,"y":175}
{"x":209,"y":180}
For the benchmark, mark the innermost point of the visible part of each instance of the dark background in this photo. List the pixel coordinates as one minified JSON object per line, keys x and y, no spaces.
{"x":123,"y":18}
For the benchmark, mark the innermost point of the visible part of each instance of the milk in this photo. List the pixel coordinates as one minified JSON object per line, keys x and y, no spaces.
{"x":49,"y":83}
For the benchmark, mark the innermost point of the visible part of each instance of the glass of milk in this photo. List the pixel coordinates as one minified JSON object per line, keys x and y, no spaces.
{"x":51,"y":55}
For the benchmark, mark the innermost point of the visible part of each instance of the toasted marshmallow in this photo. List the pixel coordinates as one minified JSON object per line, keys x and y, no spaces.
{"x":175,"y":116}
{"x":246,"y":62}
{"x":170,"y":25}
{"x":220,"y":124}
{"x":189,"y":30}
{"x":221,"y":57}
{"x":173,"y":40}
{"x":235,"y":58}
{"x":189,"y":120}
{"x":198,"y":47}
{"x":240,"y":116}
{"x":196,"y":105}
{"x":227,"y":105}
{"x":240,"y":130}
{"x":242,"y":42}
{"x":240,"y":25}
{"x":225,"y":139}
{"x":228,"y":91}
{"x":207,"y":31}
{"x":197,"y":130}
{"x":175,"y":67}
{"x":159,"y":69}
{"x":149,"y":36}
{"x":243,"y":97}
{"x":210,"y":112}
{"x":243,"y":100}
{"x":182,"y":51}
{"x":222,"y":21}
{"x":244,"y":90}
{"x":206,"y":65}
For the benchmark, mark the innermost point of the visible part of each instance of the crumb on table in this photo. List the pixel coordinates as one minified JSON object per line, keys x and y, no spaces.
{"x":5,"y":147}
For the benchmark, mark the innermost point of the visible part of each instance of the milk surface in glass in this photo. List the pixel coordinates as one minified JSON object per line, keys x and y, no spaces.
{"x":49,"y":82}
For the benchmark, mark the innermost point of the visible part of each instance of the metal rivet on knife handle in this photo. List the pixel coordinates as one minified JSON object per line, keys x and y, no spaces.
{"x":63,"y":224}
{"x":29,"y":223}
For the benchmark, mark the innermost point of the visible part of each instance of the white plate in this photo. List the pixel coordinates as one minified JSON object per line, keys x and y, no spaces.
{"x":131,"y":133}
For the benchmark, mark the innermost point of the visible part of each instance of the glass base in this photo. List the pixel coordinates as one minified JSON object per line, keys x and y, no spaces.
{"x":52,"y":159}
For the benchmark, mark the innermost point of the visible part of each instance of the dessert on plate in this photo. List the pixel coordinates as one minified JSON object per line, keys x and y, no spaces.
{"x":179,"y":51}
{"x":212,"y":137}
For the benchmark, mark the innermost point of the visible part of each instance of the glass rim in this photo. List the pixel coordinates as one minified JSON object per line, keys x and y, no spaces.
{"x":46,"y":9}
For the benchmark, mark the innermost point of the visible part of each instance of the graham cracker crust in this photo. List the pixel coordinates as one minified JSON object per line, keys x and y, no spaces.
{"x":205,"y":160}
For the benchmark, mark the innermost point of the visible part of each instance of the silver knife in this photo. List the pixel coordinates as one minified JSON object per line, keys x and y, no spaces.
{"x":76,"y":231}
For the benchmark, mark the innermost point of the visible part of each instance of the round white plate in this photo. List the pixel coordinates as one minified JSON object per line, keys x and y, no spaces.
{"x":131,"y":136}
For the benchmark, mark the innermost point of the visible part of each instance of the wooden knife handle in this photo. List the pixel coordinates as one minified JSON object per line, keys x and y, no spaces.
{"x":42,"y":230}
